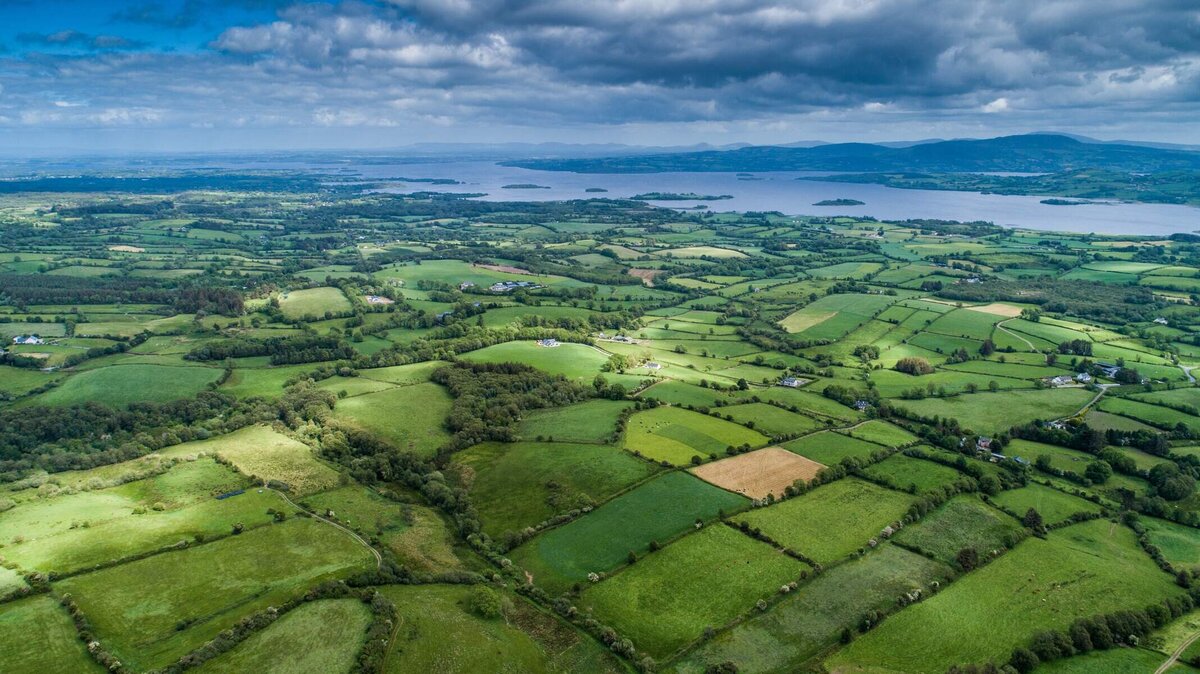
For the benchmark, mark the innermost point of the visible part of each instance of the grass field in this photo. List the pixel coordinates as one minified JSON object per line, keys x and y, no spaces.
{"x":676,"y":435}
{"x":1083,"y":570}
{"x":882,"y":433}
{"x":1114,"y":661}
{"x":916,"y":475}
{"x":577,"y":362}
{"x":963,"y":522}
{"x":832,"y":521}
{"x":812,"y":617}
{"x":602,"y":539}
{"x":439,"y":633}
{"x":520,"y":484}
{"x":410,"y":417}
{"x":1179,"y":544}
{"x":318,"y":637}
{"x":1054,"y":506}
{"x":996,"y":412}
{"x":37,"y":636}
{"x":828,"y":447}
{"x":770,"y":419}
{"x":313,"y":303}
{"x":136,"y":607}
{"x":119,"y":385}
{"x":592,"y":421}
{"x":261,"y":453}
{"x":706,"y":579}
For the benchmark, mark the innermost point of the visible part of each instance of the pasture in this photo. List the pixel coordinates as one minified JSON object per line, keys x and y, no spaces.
{"x":119,"y":385}
{"x":706,"y":579}
{"x":963,"y":522}
{"x":262,"y":453}
{"x":1085,"y":569}
{"x":831,"y":521}
{"x":602,"y":539}
{"x":995,"y":412}
{"x":676,"y":435}
{"x":388,"y":414}
{"x":516,"y":485}
{"x":313,"y":303}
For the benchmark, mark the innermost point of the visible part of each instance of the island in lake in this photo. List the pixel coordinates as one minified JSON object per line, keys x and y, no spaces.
{"x":840,"y":202}
{"x":1065,"y":202}
{"x":679,"y":196}
{"x":524,"y":186}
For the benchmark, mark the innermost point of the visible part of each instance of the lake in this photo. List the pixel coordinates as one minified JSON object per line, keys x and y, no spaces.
{"x":782,"y":192}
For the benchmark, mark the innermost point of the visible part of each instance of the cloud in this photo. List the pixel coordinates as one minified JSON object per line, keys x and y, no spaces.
{"x":998,"y":105}
{"x":765,"y":66}
{"x":79,"y":40}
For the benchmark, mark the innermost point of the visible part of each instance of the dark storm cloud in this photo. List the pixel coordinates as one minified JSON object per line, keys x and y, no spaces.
{"x":558,"y":63}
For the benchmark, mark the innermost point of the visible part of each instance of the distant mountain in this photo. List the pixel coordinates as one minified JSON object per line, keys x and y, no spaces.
{"x":1032,"y":153}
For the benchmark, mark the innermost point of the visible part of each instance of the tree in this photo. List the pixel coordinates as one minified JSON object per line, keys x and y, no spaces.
{"x":987,"y":348}
{"x":1023,"y":660}
{"x":1033,"y":520}
{"x":967,"y":558}
{"x":913,"y":365}
{"x":1098,"y":472}
{"x":743,"y":385}
{"x":993,"y":386}
{"x":486,"y":603}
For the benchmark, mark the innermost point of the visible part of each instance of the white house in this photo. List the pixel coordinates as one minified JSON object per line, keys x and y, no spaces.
{"x":548,"y":342}
{"x":1161,"y":321}
{"x":791,"y":382}
{"x":28,"y":339}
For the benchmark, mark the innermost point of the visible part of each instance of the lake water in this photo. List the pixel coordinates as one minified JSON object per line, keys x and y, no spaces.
{"x":780,"y":191}
{"x":772,"y":191}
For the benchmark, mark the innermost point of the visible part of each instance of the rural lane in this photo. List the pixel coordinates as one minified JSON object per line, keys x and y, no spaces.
{"x":1178,"y":652}
{"x":360,"y":539}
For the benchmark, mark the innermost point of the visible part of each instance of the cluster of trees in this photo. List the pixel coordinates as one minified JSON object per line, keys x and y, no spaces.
{"x":1095,"y":301}
{"x":306,"y":348}
{"x":913,"y":365}
{"x":489,"y":398}
{"x":1078,"y":347}
{"x":209,"y":299}
{"x":1098,"y":633}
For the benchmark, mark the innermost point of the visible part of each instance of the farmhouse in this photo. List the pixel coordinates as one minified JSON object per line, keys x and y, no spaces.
{"x":1083,"y":377}
{"x":1061,"y":380}
{"x":378,"y":299}
{"x":548,"y":342}
{"x":1161,"y":321}
{"x":983,"y":444}
{"x":1108,"y":370}
{"x":507,"y":286}
{"x":791,"y":382}
{"x":653,"y":366}
{"x":28,"y":339}
{"x":466,"y":284}
{"x":861,"y":405}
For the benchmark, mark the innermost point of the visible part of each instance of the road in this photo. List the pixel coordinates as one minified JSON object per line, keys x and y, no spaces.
{"x":1178,"y":652}
{"x":360,"y":539}
{"x":1010,"y":333}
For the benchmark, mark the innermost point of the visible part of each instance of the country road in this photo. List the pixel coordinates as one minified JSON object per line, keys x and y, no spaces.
{"x":360,"y":539}
{"x":1178,"y":652}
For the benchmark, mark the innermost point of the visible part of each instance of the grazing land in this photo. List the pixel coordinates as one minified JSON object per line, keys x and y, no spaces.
{"x":440,"y":433}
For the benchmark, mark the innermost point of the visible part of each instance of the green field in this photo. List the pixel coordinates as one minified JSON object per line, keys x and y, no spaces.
{"x":676,"y":435}
{"x":262,"y":453}
{"x":828,"y":447}
{"x":119,"y":385}
{"x":516,"y":485}
{"x":592,"y":421}
{"x":706,"y":579}
{"x":318,"y":637}
{"x":1085,"y":569}
{"x":963,"y":522}
{"x":770,"y":419}
{"x":136,"y":607}
{"x":996,"y":412}
{"x":438,"y":632}
{"x":602,"y":539}
{"x":1180,"y":545}
{"x":388,"y":414}
{"x":314,"y":303}
{"x":913,"y":475}
{"x":882,"y":433}
{"x":812,"y":617}
{"x":37,"y":636}
{"x":1054,"y":506}
{"x":832,"y":521}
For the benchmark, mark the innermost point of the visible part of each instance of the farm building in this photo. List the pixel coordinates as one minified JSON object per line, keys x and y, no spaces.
{"x":466,"y":284}
{"x":653,"y":366}
{"x":790,"y":382}
{"x":1161,"y":321}
{"x":1083,"y":377}
{"x":1108,"y":369}
{"x":861,"y":405}
{"x":507,"y":286}
{"x":548,"y":342}
{"x":378,"y":299}
{"x":28,"y":339}
{"x":1061,"y":380}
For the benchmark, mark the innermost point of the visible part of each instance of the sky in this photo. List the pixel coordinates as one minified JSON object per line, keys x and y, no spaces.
{"x":176,"y":75}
